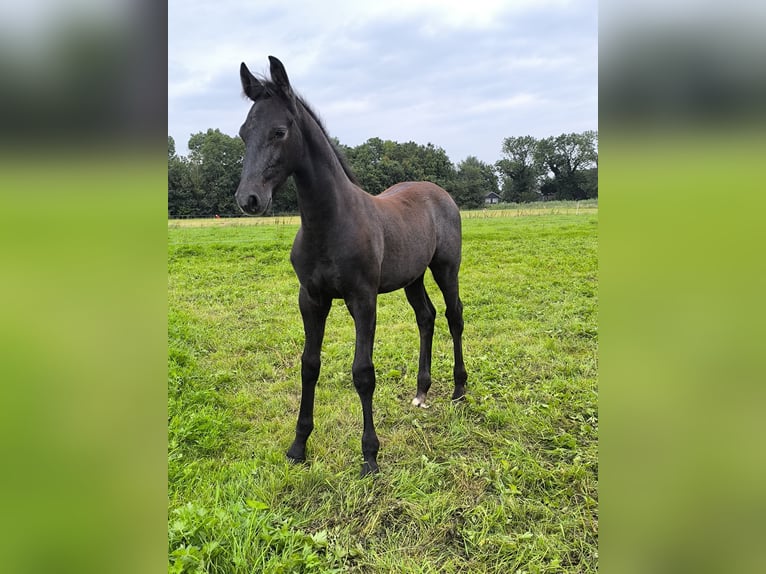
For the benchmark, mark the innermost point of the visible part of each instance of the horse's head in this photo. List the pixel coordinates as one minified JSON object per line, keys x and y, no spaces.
{"x":272,"y":143}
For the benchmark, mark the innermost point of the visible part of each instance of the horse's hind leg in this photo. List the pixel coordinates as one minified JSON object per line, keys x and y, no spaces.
{"x":314,"y":313}
{"x":425,"y":314}
{"x":446,"y":277}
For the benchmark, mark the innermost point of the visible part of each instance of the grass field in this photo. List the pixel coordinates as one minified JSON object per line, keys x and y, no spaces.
{"x":506,"y":482}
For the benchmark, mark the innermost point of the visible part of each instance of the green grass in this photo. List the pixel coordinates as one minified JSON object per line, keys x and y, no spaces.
{"x":506,"y":482}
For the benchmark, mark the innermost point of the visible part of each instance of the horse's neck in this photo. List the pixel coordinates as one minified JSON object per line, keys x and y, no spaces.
{"x":324,"y":189}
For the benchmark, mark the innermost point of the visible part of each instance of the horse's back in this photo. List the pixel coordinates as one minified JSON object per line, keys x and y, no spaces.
{"x":417,"y":190}
{"x":411,"y":198}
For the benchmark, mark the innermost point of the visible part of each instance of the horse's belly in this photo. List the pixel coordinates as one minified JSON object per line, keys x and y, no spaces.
{"x":399,"y":270}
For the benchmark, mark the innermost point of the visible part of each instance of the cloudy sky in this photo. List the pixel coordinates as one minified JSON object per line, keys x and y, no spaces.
{"x":461,"y":74}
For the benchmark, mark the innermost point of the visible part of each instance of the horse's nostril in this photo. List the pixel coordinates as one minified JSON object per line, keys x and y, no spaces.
{"x":252,"y":203}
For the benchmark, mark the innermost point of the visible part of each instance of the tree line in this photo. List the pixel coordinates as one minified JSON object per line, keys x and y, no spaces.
{"x":202,"y":183}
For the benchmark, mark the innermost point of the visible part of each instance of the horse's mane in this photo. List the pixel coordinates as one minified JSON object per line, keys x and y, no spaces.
{"x":336,"y":151}
{"x":272,"y":88}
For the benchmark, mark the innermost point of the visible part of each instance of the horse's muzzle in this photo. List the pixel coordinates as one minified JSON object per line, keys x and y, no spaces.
{"x":251,"y":204}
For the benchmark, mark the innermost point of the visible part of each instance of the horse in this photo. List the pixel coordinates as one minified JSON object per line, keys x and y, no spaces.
{"x":351,"y":245}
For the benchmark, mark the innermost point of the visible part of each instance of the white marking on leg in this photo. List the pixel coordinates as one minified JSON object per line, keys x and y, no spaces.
{"x":420,"y":402}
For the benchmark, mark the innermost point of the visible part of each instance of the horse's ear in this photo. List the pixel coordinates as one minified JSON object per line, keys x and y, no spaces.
{"x":250,"y":85}
{"x":279,"y":77}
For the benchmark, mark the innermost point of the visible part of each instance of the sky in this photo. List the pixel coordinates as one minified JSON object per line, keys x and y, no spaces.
{"x":460,"y":74}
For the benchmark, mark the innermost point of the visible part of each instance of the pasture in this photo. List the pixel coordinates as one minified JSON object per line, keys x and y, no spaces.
{"x":505,"y":482}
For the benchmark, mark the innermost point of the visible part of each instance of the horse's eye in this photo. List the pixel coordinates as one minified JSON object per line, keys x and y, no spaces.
{"x":279,"y":133}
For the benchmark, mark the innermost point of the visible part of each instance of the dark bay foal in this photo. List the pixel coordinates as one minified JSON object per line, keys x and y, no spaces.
{"x":351,"y":245}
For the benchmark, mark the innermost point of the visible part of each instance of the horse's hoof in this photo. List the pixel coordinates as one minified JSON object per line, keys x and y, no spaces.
{"x":459,"y":393}
{"x":369,"y":468}
{"x":420,"y":403}
{"x":295,"y":459}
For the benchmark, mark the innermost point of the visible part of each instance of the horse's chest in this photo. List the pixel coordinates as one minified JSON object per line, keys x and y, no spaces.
{"x":337,"y":277}
{"x":318,"y":275}
{"x":337,"y":267}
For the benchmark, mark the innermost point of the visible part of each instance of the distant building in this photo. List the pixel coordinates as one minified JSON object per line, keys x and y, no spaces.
{"x":491,"y":198}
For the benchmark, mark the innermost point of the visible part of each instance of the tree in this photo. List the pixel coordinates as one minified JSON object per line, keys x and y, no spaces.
{"x":285,"y":198}
{"x":434,"y":165}
{"x":561,"y":167}
{"x":519,"y":169}
{"x":591,"y":181}
{"x":379,"y":164}
{"x":182,"y":198}
{"x":473,"y":181}
{"x":216,"y":165}
{"x":567,"y":158}
{"x":365,"y":161}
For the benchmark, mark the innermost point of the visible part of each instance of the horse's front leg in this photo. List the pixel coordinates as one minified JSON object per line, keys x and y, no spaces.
{"x":314,"y":313}
{"x":363,"y":310}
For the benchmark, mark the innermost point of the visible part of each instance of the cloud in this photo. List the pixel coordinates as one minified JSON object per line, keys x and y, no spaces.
{"x":461,"y":75}
{"x":517,"y":101}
